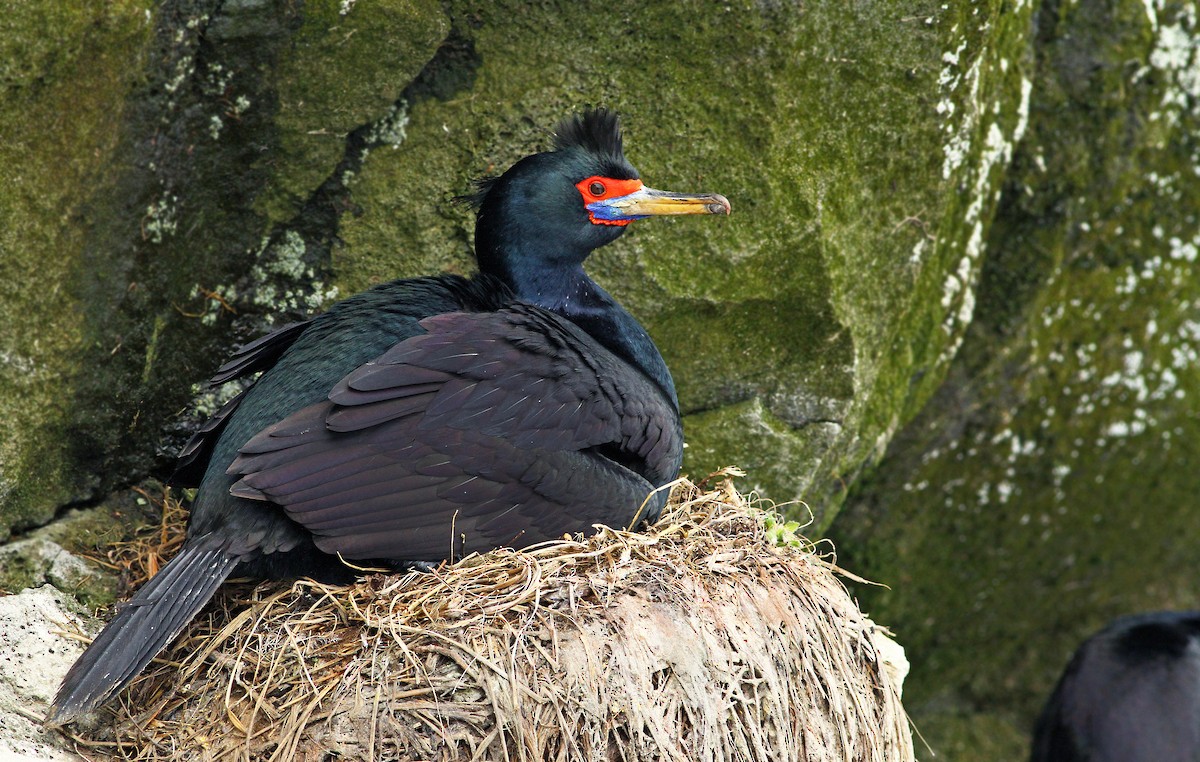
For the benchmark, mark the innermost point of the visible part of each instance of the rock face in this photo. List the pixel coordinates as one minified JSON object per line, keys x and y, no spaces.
{"x":1051,"y":484}
{"x":247,"y":162}
{"x":67,"y":69}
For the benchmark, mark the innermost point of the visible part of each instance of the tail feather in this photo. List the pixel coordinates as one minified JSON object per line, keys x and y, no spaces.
{"x":143,"y":627}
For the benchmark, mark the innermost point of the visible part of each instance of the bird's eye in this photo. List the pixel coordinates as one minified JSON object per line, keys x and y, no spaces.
{"x":596,"y":188}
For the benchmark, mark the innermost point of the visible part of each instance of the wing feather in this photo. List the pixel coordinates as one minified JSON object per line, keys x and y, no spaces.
{"x":259,"y":354}
{"x":494,"y":428}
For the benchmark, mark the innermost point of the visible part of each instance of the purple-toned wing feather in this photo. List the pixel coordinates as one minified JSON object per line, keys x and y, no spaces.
{"x":500,"y":428}
{"x":259,"y":354}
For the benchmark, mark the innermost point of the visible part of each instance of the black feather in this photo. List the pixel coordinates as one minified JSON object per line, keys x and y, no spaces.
{"x":474,"y":198}
{"x":597,"y":131}
{"x":1131,"y":693}
{"x":259,"y":354}
{"x":144,"y":626}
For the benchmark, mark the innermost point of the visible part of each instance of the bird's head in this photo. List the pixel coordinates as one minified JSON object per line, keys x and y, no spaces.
{"x":552,"y":209}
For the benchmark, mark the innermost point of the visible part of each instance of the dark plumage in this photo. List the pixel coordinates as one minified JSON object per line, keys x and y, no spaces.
{"x":1130,"y":694}
{"x":432,"y":417}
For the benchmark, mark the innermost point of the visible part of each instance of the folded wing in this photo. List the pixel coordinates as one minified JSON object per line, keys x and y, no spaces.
{"x":496,"y":428}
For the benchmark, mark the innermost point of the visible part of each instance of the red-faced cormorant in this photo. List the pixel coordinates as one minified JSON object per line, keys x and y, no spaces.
{"x":433,"y":417}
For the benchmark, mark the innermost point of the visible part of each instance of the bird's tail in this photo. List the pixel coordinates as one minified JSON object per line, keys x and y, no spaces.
{"x":143,"y":627}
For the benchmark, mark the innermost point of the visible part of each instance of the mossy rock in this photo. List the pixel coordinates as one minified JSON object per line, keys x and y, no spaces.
{"x":65,"y":70}
{"x":271,"y":156}
{"x":1050,"y":484}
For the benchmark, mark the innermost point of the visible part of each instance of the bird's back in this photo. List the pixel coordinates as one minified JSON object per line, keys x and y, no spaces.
{"x":352,"y":333}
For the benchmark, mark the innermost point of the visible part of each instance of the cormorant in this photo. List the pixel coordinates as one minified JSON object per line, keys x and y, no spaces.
{"x":432,"y":417}
{"x":1131,"y":693}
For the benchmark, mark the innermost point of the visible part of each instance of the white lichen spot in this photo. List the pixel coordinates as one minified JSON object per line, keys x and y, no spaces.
{"x":24,"y":366}
{"x":1022,"y":448}
{"x":966,"y":310}
{"x":1127,"y":284}
{"x":321,"y":296}
{"x":1023,"y":114}
{"x":1151,"y":13}
{"x":951,"y":288}
{"x":1184,"y":251}
{"x":288,"y":259}
{"x":183,"y":69}
{"x":1004,"y":491}
{"x":390,"y":130}
{"x":996,"y":154}
{"x":958,"y":146}
{"x":1167,"y":383}
{"x":161,"y":218}
{"x":285,"y":260}
{"x":1173,"y":49}
{"x":1176,"y":54}
{"x":918,"y":252}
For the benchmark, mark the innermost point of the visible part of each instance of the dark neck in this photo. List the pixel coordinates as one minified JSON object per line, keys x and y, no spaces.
{"x":560,"y":289}
{"x":608,"y":323}
{"x":568,"y":291}
{"x":539,"y":270}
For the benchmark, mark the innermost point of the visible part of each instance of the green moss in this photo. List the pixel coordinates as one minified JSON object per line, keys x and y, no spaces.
{"x":1049,"y":485}
{"x":770,"y":448}
{"x":970,"y":737}
{"x":60,"y":553}
{"x":64,"y":67}
{"x":33,"y":563}
{"x":341,"y":71}
{"x":20,"y":571}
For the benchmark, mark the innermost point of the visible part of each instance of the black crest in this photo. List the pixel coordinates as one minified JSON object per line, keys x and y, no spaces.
{"x":596,"y":131}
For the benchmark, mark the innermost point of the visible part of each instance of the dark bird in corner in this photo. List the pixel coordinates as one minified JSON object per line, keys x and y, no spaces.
{"x":434,"y":417}
{"x":1130,"y":694}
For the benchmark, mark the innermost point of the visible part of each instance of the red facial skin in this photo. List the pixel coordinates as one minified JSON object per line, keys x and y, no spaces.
{"x":611,"y":189}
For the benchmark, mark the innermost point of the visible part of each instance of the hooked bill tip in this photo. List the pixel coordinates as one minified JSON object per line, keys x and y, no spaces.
{"x":719,"y":205}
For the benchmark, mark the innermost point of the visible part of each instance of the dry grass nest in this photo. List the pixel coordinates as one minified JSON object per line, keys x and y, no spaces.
{"x":715,"y":634}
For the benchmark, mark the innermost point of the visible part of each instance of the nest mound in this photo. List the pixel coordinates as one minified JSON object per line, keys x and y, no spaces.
{"x":701,"y":638}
